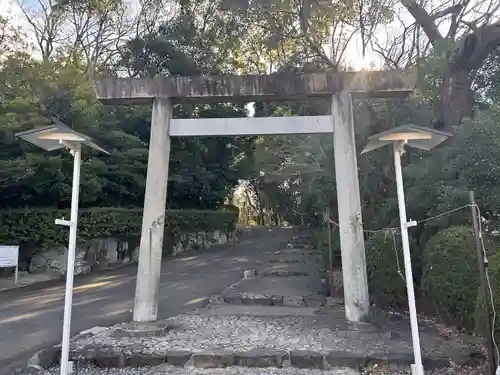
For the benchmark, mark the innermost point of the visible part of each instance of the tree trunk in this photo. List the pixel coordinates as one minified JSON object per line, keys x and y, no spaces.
{"x":456,"y":96}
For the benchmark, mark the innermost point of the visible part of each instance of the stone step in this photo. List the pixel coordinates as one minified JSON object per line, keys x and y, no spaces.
{"x":257,"y":299}
{"x":174,"y":360}
{"x":303,"y":248}
{"x":302,"y":238}
{"x":284,"y":270}
{"x":269,"y":268}
{"x":232,"y":370}
{"x":280,"y":287}
{"x":256,"y":310}
{"x":304,"y":261}
{"x":292,"y":266}
{"x":255,"y":358}
{"x":300,"y":242}
{"x":307,"y":359}
{"x":296,"y":252}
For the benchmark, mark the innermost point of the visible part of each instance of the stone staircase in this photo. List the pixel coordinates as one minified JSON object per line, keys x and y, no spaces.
{"x":286,"y":277}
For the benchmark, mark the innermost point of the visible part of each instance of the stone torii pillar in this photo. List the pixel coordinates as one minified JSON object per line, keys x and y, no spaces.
{"x":339,"y":87}
{"x":352,"y":244}
{"x":153,"y":217}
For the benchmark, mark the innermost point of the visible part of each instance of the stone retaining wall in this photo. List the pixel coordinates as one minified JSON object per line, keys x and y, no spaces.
{"x":104,"y":252}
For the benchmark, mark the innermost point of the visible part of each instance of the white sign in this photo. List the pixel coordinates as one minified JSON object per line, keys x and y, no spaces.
{"x":9,"y":257}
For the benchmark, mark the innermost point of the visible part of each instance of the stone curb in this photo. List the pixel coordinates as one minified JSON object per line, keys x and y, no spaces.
{"x":262,"y":357}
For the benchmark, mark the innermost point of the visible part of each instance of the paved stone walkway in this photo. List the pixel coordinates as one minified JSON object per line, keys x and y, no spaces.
{"x":271,"y":321}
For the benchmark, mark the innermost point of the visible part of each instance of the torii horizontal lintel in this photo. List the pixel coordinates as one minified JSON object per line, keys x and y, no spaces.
{"x":250,"y":126}
{"x":248,"y":88}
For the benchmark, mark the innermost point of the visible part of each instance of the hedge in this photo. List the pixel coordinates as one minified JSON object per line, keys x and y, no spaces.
{"x":37,"y":226}
{"x":450,"y":279}
{"x":386,"y":285}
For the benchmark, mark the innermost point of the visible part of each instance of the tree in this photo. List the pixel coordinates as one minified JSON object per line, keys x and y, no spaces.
{"x":47,"y":23}
{"x":92,"y":30}
{"x":472,"y":35}
{"x":317,"y":31}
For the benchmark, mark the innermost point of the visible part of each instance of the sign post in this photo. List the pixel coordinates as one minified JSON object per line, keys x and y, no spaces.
{"x":9,"y":257}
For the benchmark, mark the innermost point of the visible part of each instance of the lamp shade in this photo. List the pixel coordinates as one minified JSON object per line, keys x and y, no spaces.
{"x":53,"y":137}
{"x":419,"y":137}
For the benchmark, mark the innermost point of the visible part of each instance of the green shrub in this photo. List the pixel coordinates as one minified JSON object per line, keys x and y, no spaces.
{"x":384,"y":251}
{"x":494,"y":279}
{"x":37,"y":226}
{"x":320,"y":242}
{"x":450,"y":279}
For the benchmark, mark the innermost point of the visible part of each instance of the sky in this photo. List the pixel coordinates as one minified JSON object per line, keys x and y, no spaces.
{"x":12,"y":10}
{"x":354,"y":56}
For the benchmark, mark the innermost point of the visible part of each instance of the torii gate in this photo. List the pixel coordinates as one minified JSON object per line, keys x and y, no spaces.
{"x":340,"y":87}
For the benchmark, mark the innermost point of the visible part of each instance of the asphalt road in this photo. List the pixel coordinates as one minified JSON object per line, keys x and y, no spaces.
{"x":31,"y":317}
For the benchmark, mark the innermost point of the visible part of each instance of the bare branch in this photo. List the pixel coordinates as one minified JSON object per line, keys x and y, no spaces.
{"x":453,"y":10}
{"x":46,"y":23}
{"x":424,"y":19}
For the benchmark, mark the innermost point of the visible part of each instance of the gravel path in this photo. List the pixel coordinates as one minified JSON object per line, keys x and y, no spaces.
{"x":169,"y":370}
{"x":235,"y":333}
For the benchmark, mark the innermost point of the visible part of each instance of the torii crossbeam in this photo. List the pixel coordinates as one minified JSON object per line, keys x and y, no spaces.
{"x":163,"y":92}
{"x":276,"y":87}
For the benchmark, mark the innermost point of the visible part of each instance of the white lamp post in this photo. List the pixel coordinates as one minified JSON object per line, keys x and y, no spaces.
{"x":49,"y":138}
{"x":424,"y":139}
